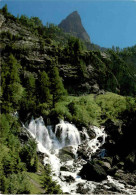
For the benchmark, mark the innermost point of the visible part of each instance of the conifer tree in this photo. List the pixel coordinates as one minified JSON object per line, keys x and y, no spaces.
{"x":5,"y":9}
{"x":45,"y":95}
{"x":12,"y":89}
{"x":57,"y":88}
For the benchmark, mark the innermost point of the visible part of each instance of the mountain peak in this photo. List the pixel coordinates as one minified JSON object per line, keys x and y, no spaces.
{"x":74,"y":13}
{"x":73,"y":24}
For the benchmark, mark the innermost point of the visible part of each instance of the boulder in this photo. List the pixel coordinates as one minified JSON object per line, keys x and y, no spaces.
{"x":69,"y":179}
{"x":105,"y":165}
{"x":67,"y":153}
{"x":92,"y":171}
{"x":108,"y":159}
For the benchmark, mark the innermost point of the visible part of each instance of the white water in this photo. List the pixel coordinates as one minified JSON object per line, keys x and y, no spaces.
{"x":95,"y":143}
{"x":68,"y":134}
{"x":64,"y":135}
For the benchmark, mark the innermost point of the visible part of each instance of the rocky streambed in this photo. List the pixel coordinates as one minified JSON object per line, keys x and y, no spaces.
{"x":80,"y":161}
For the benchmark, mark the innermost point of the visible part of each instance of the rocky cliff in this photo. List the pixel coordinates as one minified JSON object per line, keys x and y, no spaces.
{"x":37,"y":48}
{"x":73,"y":25}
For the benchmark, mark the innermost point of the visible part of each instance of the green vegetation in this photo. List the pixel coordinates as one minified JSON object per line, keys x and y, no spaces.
{"x":92,"y":109}
{"x":11,"y":167}
{"x":50,"y":186}
{"x":19,"y":162}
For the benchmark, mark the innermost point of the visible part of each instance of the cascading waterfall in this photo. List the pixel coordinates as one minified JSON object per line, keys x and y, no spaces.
{"x":64,"y":135}
{"x":68,"y":134}
{"x":40,"y":132}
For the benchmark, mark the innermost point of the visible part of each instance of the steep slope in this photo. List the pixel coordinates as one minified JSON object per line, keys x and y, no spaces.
{"x":73,"y":24}
{"x":36,"y":49}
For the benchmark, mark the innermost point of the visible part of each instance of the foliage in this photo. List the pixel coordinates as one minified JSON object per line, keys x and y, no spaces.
{"x":57,"y":88}
{"x":18,"y":184}
{"x":12,"y":178}
{"x":5,"y":9}
{"x":28,"y":155}
{"x":91,"y":109}
{"x":11,"y":86}
{"x":51,"y":187}
{"x":44,"y":88}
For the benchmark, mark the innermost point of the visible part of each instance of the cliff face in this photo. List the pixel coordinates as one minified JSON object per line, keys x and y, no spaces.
{"x":73,"y":24}
{"x":36,"y":54}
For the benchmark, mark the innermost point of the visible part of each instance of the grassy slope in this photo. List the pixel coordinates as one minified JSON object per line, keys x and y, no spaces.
{"x":35,"y":180}
{"x":93,"y":109}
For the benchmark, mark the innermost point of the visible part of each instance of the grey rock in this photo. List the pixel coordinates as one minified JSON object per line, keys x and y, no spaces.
{"x":73,"y":25}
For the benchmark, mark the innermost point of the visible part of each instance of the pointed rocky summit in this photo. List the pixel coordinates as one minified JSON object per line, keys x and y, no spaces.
{"x":73,"y":24}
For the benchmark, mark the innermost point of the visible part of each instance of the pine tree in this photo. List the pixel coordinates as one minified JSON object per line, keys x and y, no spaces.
{"x":12,"y":89}
{"x":50,"y":186}
{"x":57,"y":88}
{"x":4,"y":128}
{"x":45,"y":95}
{"x":5,"y":10}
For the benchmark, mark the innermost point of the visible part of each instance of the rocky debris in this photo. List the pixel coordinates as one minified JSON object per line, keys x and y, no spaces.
{"x":67,"y":176}
{"x":127,"y":178}
{"x":84,"y":151}
{"x":84,"y":188}
{"x":108,"y":159}
{"x":91,"y":132}
{"x":68,"y":166}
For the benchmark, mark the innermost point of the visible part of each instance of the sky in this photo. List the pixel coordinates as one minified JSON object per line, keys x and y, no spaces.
{"x":108,"y":22}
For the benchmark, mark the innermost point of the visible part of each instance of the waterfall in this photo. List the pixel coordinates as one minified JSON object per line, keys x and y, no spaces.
{"x":65,"y":134}
{"x":40,"y":132}
{"x":50,"y":141}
